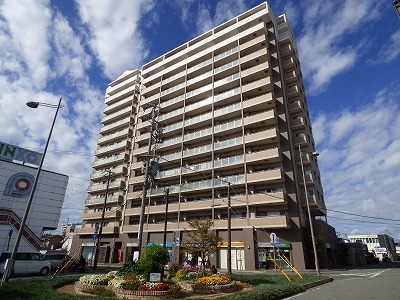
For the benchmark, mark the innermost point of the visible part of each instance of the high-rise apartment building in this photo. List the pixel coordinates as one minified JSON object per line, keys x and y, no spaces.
{"x":226,"y":110}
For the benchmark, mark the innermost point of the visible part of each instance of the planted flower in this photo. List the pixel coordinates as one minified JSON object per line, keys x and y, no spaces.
{"x":213,"y":280}
{"x":153,"y":286}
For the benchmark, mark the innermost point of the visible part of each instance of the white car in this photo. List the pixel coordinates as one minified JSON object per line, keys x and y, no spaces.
{"x":26,"y":263}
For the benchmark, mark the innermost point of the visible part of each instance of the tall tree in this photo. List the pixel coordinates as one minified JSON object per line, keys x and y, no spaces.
{"x":201,"y":240}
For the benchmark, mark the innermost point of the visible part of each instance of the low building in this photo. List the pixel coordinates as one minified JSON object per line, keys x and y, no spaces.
{"x":381,"y":245}
{"x":18,"y":168}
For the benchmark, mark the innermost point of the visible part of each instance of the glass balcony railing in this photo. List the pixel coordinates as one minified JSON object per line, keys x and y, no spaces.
{"x":226,"y":53}
{"x":227,"y":109}
{"x":197,"y":150}
{"x":200,"y":65}
{"x":228,"y":125}
{"x":226,"y":94}
{"x":198,"y":119}
{"x":228,"y":143}
{"x":226,"y":66}
{"x":173,"y":77}
{"x":197,"y":134}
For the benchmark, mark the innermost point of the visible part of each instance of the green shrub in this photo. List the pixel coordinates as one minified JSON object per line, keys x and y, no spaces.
{"x":266,"y":292}
{"x":130,"y":285}
{"x":131,"y":267}
{"x":101,"y":291}
{"x":154,"y":258}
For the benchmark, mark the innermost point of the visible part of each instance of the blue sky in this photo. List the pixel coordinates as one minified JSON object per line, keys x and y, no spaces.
{"x":350,"y":58}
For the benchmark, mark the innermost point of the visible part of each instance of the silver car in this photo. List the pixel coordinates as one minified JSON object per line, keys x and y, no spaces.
{"x":26,"y":263}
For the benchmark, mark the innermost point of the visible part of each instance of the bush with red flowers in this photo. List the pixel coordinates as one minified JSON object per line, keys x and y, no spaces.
{"x":153,"y":286}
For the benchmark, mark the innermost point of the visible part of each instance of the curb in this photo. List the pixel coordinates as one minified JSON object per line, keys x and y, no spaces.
{"x":317,"y":283}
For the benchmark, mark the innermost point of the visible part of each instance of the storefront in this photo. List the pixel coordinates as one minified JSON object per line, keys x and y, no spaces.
{"x":268,"y":252}
{"x":237,"y":256}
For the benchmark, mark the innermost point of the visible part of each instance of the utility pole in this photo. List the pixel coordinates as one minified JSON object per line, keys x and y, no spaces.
{"x":96,"y":255}
{"x":229,"y":258}
{"x":151,"y":169}
{"x":166,"y":218}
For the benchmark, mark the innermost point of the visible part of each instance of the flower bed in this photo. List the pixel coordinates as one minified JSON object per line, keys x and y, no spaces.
{"x":128,"y":287}
{"x":129,"y":294}
{"x":210,"y":289}
{"x":212,"y":280}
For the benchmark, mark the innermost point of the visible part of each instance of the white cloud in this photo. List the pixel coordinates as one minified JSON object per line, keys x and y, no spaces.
{"x":390,"y":51}
{"x":359,"y":158}
{"x":114,"y":36}
{"x":325,"y":45}
{"x":27,"y":32}
{"x":224,"y":10}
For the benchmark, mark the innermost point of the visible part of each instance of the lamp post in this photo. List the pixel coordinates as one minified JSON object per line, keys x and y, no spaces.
{"x":10,"y":265}
{"x":314,"y":154}
{"x":396,"y":5}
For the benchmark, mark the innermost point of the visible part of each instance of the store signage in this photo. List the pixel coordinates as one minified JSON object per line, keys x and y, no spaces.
{"x":270,"y":245}
{"x":10,"y":152}
{"x":233,"y":244}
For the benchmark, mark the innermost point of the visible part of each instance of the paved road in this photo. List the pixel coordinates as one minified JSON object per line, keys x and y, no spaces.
{"x":380,"y":282}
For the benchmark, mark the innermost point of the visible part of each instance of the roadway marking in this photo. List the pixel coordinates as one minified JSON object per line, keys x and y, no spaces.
{"x":370,"y":274}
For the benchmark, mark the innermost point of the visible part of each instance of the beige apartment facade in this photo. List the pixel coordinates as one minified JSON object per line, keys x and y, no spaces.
{"x":221,"y":122}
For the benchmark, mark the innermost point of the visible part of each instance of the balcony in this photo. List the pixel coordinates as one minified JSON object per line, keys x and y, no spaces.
{"x":288,"y":63}
{"x":130,"y":229}
{"x":263,"y":67}
{"x":299,"y":140}
{"x":259,"y":39}
{"x":134,"y":195}
{"x":119,"y":105}
{"x":278,"y":222}
{"x":112,"y":185}
{"x":151,"y":88}
{"x":290,"y":77}
{"x":255,"y":103}
{"x":100,"y":200}
{"x":123,"y":84}
{"x":267,"y":198}
{"x":112,"y":148}
{"x":286,"y":50}
{"x":293,"y":91}
{"x":270,"y":135}
{"x":254,"y":56}
{"x":122,"y":94}
{"x":101,"y":174}
{"x":86,"y":230}
{"x":263,"y":84}
{"x":115,"y":136}
{"x":264,"y":118}
{"x":151,"y":99}
{"x":116,"y":125}
{"x":97,"y":216}
{"x":270,"y":155}
{"x":297,"y":123}
{"x":117,"y":115}
{"x":295,"y":106}
{"x":111,"y":160}
{"x":275,"y":175}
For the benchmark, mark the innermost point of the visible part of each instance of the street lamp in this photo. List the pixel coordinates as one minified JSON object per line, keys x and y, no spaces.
{"x":11,"y":260}
{"x":314,"y":154}
{"x":396,"y":5}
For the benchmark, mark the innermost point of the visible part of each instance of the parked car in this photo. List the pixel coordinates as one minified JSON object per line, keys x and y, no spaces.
{"x":26,"y":263}
{"x":56,"y":258}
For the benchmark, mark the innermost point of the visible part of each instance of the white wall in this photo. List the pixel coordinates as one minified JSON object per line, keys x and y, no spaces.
{"x":45,"y":210}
